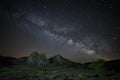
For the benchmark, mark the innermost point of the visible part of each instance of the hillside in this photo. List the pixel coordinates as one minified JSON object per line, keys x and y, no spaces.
{"x":59,"y":60}
{"x":7,"y":61}
{"x":59,"y":71}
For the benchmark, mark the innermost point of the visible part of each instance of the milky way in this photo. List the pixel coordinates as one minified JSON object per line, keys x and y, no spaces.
{"x":78,"y":30}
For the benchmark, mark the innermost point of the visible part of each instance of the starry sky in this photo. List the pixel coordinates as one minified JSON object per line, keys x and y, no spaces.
{"x":79,"y":30}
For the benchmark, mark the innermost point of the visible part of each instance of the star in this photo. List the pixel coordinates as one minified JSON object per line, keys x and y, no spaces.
{"x":45,"y":7}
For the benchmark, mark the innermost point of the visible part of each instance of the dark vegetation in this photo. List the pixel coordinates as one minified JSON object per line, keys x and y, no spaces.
{"x":37,"y":67}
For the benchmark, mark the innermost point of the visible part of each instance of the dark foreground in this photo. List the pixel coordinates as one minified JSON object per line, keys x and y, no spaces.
{"x":76,"y":72}
{"x":58,"y":68}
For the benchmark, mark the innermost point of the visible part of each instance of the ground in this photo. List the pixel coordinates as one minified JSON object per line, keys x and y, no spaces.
{"x":51,"y":72}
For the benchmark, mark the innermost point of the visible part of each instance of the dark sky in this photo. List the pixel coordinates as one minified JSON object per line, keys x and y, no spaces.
{"x":80,"y":30}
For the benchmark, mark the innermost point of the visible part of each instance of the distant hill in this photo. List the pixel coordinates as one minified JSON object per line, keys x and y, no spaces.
{"x":114,"y":64}
{"x":110,"y":65}
{"x":22,"y":59}
{"x":7,"y":61}
{"x":59,"y":60}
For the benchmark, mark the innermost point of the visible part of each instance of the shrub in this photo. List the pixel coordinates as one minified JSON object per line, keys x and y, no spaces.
{"x":97,"y":65}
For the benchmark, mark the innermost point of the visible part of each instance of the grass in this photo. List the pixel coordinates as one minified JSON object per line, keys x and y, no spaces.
{"x":77,"y":72}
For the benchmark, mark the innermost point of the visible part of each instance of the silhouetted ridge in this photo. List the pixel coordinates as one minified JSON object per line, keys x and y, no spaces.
{"x":7,"y":61}
{"x":114,"y":64}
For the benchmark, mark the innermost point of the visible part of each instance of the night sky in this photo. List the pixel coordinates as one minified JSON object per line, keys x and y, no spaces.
{"x":79,"y":30}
